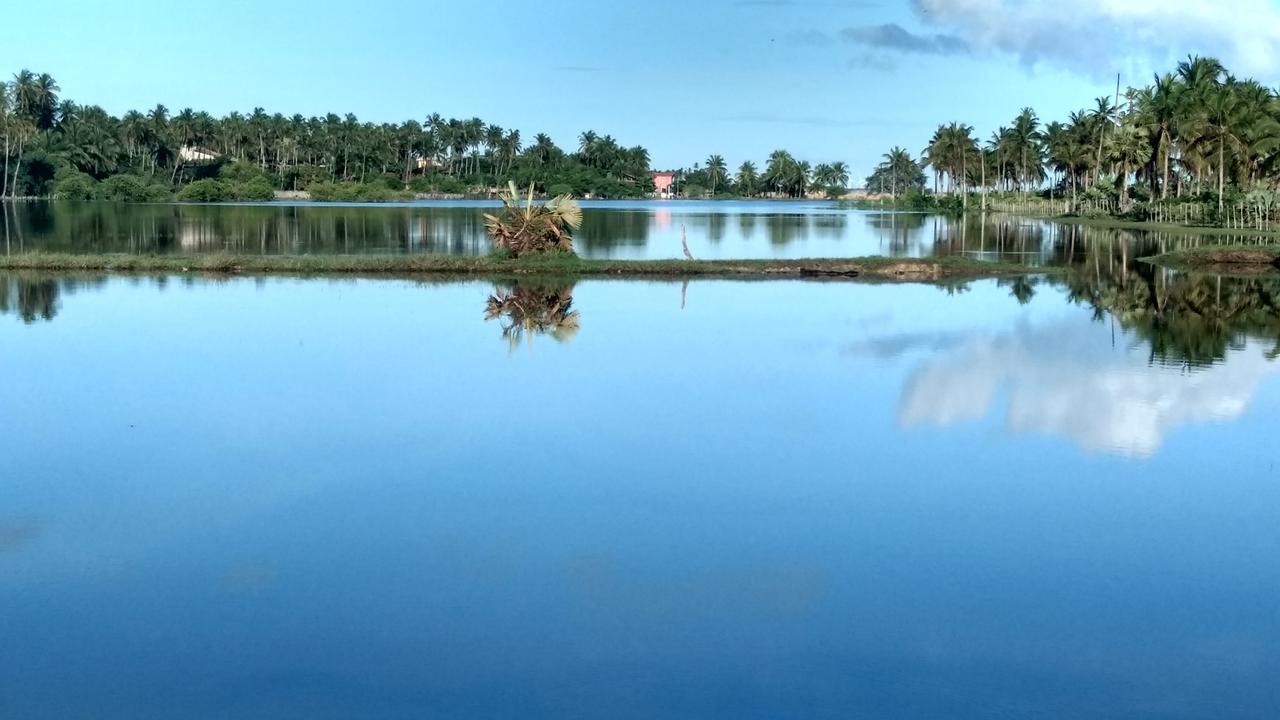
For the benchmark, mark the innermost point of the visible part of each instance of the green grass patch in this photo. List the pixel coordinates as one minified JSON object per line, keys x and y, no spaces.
{"x":550,"y":264}
{"x":1263,"y":257}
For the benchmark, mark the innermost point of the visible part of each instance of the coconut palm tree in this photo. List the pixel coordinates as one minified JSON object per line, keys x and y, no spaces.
{"x":1129,"y":147}
{"x":1104,"y":115}
{"x":748,"y":177}
{"x":839,"y":174}
{"x":717,"y":171}
{"x":899,"y":166}
{"x":1024,"y":144}
{"x":1219,"y":126}
{"x":1159,"y":108}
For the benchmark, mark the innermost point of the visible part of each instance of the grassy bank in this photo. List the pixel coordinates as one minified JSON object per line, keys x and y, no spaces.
{"x":864,"y":267}
{"x":1252,"y":258}
{"x":1152,"y":226}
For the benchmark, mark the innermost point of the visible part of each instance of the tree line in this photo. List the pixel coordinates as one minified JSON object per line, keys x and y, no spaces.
{"x":55,"y":146}
{"x":1195,"y":134}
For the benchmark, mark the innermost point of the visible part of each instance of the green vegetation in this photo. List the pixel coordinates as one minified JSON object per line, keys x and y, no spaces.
{"x":1196,"y":147}
{"x":48,"y":139}
{"x":524,"y":227}
{"x":1262,"y":256}
{"x":541,"y":307}
{"x":355,"y":192}
{"x":784,"y":177}
{"x":495,"y":266}
{"x":1185,"y":318}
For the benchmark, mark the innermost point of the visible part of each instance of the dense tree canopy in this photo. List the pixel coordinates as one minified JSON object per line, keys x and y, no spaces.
{"x":1198,"y":132}
{"x":53,"y":145}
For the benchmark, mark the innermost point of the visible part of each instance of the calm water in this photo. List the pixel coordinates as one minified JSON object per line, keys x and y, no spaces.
{"x":611,"y":230}
{"x":334,"y":499}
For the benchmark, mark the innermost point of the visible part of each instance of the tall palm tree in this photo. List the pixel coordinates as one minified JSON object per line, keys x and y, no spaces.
{"x":717,"y":171}
{"x":747,"y":178}
{"x":898,"y":161}
{"x":1160,"y":109}
{"x":1104,"y":115}
{"x":840,"y":173}
{"x":1128,"y":148}
{"x":1221,"y":125}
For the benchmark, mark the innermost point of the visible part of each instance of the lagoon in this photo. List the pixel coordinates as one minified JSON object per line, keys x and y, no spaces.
{"x":273,"y":497}
{"x":612,"y":229}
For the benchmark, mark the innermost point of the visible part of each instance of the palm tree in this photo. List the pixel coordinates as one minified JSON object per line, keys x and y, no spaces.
{"x":587,"y":145}
{"x":1104,"y":115}
{"x":780,"y":171}
{"x":717,"y":171}
{"x":840,"y":174}
{"x":1160,"y":109}
{"x":747,"y":178}
{"x":1129,"y":148}
{"x":527,"y":227}
{"x":897,"y":161}
{"x":1024,"y":141}
{"x":1220,"y":125}
{"x":6,"y":121}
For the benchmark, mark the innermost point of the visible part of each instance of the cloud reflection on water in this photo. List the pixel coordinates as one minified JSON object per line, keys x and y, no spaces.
{"x":1112,"y":401}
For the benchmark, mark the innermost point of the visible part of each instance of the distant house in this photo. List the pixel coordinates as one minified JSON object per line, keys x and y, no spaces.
{"x":664,"y":184}
{"x":195,"y":153}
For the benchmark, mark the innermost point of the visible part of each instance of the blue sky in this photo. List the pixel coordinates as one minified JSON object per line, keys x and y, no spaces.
{"x":826,"y":79}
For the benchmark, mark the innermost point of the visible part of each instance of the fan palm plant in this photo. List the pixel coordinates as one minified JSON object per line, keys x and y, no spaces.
{"x":526,"y":227}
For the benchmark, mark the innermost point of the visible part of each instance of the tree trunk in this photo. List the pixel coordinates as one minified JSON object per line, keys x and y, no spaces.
{"x":4,"y":177}
{"x":1221,"y":152}
{"x":1164,"y":183}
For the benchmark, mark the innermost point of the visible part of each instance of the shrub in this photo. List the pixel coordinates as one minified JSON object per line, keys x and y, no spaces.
{"x":435,"y":183}
{"x":238,"y":172}
{"x":257,"y":189}
{"x":206,"y":191}
{"x":522,"y":227}
{"x":131,"y":188}
{"x":560,"y":189}
{"x":75,"y":186}
{"x":353,"y":192}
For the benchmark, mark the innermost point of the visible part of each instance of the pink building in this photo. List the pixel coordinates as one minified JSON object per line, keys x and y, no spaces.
{"x":663,"y":183}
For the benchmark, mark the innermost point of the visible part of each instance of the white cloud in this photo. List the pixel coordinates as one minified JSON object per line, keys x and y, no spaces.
{"x":1098,"y":37}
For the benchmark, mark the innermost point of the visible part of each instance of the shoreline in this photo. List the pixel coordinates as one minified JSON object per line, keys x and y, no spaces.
{"x":871,"y":267}
{"x":1253,"y":259}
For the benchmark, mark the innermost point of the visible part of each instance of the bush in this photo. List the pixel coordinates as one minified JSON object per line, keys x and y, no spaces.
{"x":75,"y":186}
{"x":238,"y":173}
{"x":257,"y":189}
{"x":435,"y":183}
{"x":131,"y":188}
{"x":560,"y":189}
{"x":354,"y":192}
{"x":206,"y":191}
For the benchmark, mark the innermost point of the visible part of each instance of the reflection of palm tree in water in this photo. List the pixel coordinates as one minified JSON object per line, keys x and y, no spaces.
{"x":526,"y":309}
{"x":30,"y":298}
{"x":1188,"y":319}
{"x":38,"y":296}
